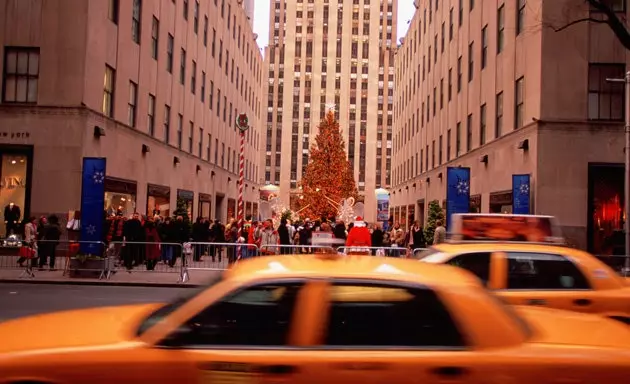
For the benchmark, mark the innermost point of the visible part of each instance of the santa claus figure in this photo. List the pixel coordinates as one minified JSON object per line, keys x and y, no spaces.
{"x":359,"y":235}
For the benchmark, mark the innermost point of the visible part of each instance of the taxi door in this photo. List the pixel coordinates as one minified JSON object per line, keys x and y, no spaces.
{"x":545,"y":280}
{"x":255,"y":335}
{"x":372,"y":334}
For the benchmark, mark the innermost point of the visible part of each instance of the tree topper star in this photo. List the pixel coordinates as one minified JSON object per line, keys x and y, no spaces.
{"x":331,"y":107}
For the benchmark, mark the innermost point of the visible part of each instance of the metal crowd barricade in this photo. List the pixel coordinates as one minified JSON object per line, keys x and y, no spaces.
{"x":268,"y":250}
{"x":399,"y":252}
{"x":214,"y":257}
{"x":55,"y":255}
{"x":416,"y":252}
{"x":150,"y":257}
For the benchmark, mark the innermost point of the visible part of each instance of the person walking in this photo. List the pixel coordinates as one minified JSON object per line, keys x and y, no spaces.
{"x":439,"y":236}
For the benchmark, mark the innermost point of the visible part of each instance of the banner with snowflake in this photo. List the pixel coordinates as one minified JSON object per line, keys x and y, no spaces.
{"x":457,"y":192}
{"x":520,"y":194}
{"x":92,"y":204}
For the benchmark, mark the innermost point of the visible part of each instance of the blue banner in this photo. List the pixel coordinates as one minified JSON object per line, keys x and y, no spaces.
{"x":520,"y":194}
{"x":92,"y":204}
{"x":457,"y":192}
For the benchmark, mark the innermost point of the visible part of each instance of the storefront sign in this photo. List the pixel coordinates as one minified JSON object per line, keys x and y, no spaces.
{"x":12,"y":182}
{"x":92,"y":203}
{"x":185,"y":195}
{"x":520,"y":194}
{"x":14,"y":135}
{"x":457,"y":192}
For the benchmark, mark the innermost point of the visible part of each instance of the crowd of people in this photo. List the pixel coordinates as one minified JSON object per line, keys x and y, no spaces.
{"x":145,"y":240}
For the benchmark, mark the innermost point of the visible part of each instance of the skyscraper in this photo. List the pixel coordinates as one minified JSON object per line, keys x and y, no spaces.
{"x":323,"y":53}
{"x":249,"y":11}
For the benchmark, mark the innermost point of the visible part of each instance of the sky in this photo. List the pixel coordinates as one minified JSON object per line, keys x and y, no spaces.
{"x":261,"y":19}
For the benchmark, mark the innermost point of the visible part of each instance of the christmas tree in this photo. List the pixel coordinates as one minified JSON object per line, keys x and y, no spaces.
{"x":435,"y":214}
{"x":182,"y":210}
{"x":328,"y":178}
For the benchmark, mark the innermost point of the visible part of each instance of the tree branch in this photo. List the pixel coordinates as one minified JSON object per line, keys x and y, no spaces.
{"x":577,"y":22}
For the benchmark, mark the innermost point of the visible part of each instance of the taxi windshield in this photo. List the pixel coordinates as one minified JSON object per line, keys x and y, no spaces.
{"x":162,"y":312}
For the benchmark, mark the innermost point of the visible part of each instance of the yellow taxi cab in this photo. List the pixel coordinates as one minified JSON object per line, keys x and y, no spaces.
{"x":310,"y":319}
{"x":539,"y":273}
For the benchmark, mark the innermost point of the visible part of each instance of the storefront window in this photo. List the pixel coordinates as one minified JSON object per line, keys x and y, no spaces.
{"x":13,"y":188}
{"x":205,"y":206}
{"x":120,"y":196}
{"x":248,"y":209}
{"x":158,"y":200}
{"x":606,"y":220}
{"x":501,"y":202}
{"x":185,"y":202}
{"x":231,"y":208}
{"x":475,"y":204}
{"x":255,"y":210}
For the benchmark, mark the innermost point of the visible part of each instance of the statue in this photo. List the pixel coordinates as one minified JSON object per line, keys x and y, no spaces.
{"x":346,"y":210}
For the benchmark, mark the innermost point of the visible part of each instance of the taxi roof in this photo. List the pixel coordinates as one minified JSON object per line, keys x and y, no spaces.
{"x":358,"y":267}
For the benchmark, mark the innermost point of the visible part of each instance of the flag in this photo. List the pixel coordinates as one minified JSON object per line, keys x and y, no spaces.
{"x":520,"y":194}
{"x":457,"y":192}
{"x":92,"y":205}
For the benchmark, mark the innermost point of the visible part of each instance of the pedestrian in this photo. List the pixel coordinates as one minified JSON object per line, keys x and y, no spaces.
{"x":439,"y":236}
{"x":51,"y":236}
{"x":152,"y":246}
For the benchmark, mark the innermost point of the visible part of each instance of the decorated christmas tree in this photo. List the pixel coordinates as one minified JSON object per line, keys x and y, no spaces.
{"x":328,"y":178}
{"x":182,"y":210}
{"x":435,"y":214}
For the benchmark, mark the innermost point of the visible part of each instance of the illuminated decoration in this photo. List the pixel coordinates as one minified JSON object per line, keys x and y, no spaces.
{"x":346,"y":210}
{"x":328,"y":178}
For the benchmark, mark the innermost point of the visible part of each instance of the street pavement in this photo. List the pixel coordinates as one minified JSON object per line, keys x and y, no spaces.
{"x":17,"y":300}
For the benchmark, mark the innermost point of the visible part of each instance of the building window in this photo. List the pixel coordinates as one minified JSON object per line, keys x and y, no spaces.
{"x":131,"y":105}
{"x":151,"y":115}
{"x":191,"y":127}
{"x":169,"y":53}
{"x":205,"y":31}
{"x":108,"y":91}
{"x":469,"y":123}
{"x":182,"y":67}
{"x":185,"y":10}
{"x":167,"y":124}
{"x":448,"y":145}
{"x":482,"y":125}
{"x":200,"y":144}
{"x":196,"y":17}
{"x":450,"y":84}
{"x":440,"y":150}
{"x":484,"y":47}
{"x":519,"y":100}
{"x":180,"y":128}
{"x":193,"y":77}
{"x":203,"y":86}
{"x":461,"y":12}
{"x":113,"y":7}
{"x":500,"y":28}
{"x":458,"y":139}
{"x":155,"y":31}
{"x":471,"y":61}
{"x":209,"y":147}
{"x":605,"y":98}
{"x":135,"y":20}
{"x":498,"y":124}
{"x":459,"y":74}
{"x":216,"y":151}
{"x":450,"y":25}
{"x":21,"y":75}
{"x":211,"y":95}
{"x":520,"y":17}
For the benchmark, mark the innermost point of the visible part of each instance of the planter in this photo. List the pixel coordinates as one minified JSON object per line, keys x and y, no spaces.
{"x":91,"y":268}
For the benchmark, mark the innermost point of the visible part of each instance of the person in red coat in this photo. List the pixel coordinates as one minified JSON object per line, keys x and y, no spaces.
{"x":152,"y":247}
{"x":359,"y":235}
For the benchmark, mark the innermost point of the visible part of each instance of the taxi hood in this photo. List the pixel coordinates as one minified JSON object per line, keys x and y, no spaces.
{"x":552,"y":326}
{"x":76,"y":328}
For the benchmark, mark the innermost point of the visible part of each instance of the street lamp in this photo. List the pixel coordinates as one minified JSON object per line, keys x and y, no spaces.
{"x":626,"y":200}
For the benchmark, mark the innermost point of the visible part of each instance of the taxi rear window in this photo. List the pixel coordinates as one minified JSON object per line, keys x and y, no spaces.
{"x":369,"y":294}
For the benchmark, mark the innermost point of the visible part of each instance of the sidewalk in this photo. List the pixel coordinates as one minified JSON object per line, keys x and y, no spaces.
{"x":120,"y":278}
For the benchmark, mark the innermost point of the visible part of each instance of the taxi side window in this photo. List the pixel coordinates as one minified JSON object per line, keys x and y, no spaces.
{"x":477,"y":263}
{"x":531,"y":270}
{"x":255,"y":316}
{"x":369,"y":316}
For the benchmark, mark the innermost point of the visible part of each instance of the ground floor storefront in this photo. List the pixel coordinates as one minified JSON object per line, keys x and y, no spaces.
{"x":41,"y":157}
{"x":575,"y":173}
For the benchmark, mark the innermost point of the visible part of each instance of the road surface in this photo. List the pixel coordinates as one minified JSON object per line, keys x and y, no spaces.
{"x":17,"y":300}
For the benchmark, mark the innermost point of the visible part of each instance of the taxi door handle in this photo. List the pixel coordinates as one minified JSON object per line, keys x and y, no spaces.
{"x":582,"y":302}
{"x":536,"y":302}
{"x":449,"y":371}
{"x":280,"y":369}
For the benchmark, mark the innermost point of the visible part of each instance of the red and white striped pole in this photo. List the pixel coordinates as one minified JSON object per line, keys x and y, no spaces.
{"x":241,"y":177}
{"x":242,"y":123}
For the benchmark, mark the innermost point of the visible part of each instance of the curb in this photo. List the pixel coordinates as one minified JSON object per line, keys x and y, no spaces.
{"x":100,"y":283}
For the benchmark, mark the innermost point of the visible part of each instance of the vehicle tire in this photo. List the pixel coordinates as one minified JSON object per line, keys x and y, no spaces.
{"x":623,"y":319}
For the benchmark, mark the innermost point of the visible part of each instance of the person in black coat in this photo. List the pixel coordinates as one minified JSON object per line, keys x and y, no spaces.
{"x":133,"y":232}
{"x":285,"y":239}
